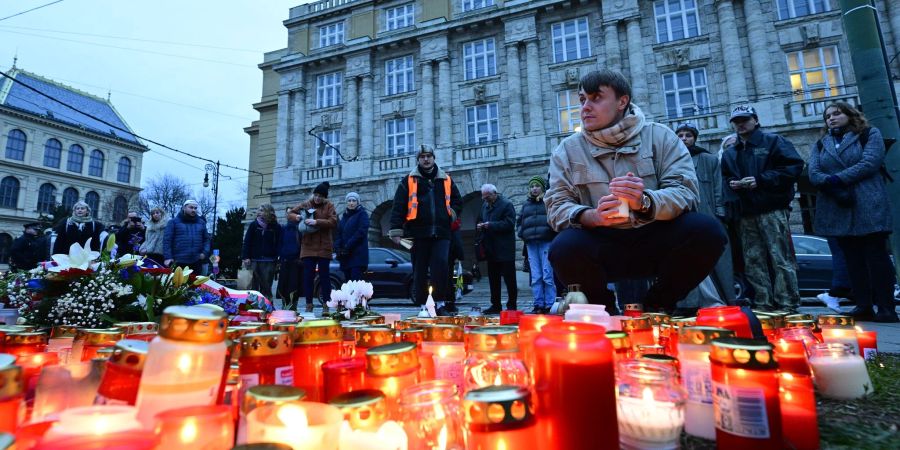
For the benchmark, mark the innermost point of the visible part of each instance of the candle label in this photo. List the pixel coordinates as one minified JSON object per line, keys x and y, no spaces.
{"x":284,"y":375}
{"x":869,"y":353}
{"x":741,"y":411}
{"x":452,"y":371}
{"x":698,"y":383}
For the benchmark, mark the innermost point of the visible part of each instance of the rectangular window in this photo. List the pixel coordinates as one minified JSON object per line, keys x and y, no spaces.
{"x":328,"y":89}
{"x":686,"y":93}
{"x":482,"y":125}
{"x":326,"y":156}
{"x":788,"y":9}
{"x":815,"y":73}
{"x":400,"y":136}
{"x":676,"y":19}
{"x":331,"y":34}
{"x":471,"y":5}
{"x":399,"y":17}
{"x":571,"y":40}
{"x":398,"y":75}
{"x":479,"y":59}
{"x":569,"y":108}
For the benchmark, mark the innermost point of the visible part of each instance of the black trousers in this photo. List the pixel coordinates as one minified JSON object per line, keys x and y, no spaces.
{"x":680,"y":253}
{"x":871,"y":271}
{"x":507,"y":270}
{"x":290,"y":276}
{"x":430,"y":256}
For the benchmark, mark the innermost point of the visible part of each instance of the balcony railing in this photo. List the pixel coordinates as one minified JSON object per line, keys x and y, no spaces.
{"x":711,"y":121}
{"x":813,"y":109}
{"x":322,"y":5}
{"x":392,"y":164}
{"x":479,"y":153}
{"x":321,"y":174}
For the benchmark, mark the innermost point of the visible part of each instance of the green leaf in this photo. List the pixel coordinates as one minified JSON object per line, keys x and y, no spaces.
{"x":148,"y":308}
{"x":107,"y":318}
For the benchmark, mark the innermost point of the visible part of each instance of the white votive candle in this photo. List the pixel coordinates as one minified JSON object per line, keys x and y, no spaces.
{"x":839,"y":372}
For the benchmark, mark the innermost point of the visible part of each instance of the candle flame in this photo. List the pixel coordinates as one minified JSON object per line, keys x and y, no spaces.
{"x":858,"y":329}
{"x":442,"y":438}
{"x":189,"y":431}
{"x":184,"y":363}
{"x":648,"y":395}
{"x":501,"y":444}
{"x":788,"y":376}
{"x":101,"y":424}
{"x":497,"y":380}
{"x":293,"y":416}
{"x":429,"y":290}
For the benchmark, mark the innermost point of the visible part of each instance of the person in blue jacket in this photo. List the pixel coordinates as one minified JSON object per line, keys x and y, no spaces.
{"x":351,"y":241}
{"x":186,"y":241}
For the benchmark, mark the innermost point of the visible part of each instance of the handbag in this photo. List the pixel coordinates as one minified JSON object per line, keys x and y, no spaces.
{"x":302,"y":227}
{"x":481,"y":253}
{"x":244,"y":278}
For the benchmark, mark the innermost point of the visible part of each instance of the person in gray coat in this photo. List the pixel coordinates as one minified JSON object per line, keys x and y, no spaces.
{"x":497,"y":224}
{"x":537,"y":235}
{"x":854,"y":206}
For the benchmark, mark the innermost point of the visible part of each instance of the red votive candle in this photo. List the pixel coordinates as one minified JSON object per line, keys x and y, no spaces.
{"x":799,"y":420}
{"x":94,"y":340}
{"x":640,"y":330}
{"x":499,"y":417}
{"x":12,"y":396}
{"x":265,"y":359}
{"x":729,"y":317}
{"x":390,"y":369}
{"x":529,"y":327}
{"x":122,"y":377}
{"x":510,"y":317}
{"x":575,"y":384}
{"x":621,"y":345}
{"x":791,"y":357}
{"x":343,"y":375}
{"x":315,"y":343}
{"x":868,"y":343}
{"x":633,"y":310}
{"x":23,"y":343}
{"x":371,"y":336}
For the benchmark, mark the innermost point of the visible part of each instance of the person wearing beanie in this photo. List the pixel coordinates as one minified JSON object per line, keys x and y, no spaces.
{"x":426,"y":202}
{"x":186,"y":239}
{"x":78,"y":228}
{"x":537,"y":235}
{"x":351,"y":239}
{"x":29,"y":249}
{"x":319,"y":218}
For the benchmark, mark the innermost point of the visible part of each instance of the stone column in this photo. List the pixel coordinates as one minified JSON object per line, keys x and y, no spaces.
{"x":535,"y":89}
{"x":636,"y":63}
{"x":298,"y":132}
{"x":350,"y":142}
{"x":514,"y":91}
{"x":282,"y":129}
{"x":366,"y":114}
{"x":427,"y":103}
{"x":731,"y":52}
{"x":613,"y":57}
{"x":759,"y":54}
{"x":445,"y":102}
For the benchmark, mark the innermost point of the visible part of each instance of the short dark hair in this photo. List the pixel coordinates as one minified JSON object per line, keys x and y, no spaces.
{"x":612,"y":79}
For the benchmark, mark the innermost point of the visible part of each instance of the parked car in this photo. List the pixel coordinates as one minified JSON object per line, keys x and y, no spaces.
{"x":390,"y":272}
{"x":814,"y":265}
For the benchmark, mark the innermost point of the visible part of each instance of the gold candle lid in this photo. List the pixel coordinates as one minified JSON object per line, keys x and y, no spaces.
{"x":403,"y":324}
{"x":262,"y":446}
{"x":372,"y":319}
{"x":619,"y":339}
{"x":193,"y":324}
{"x":658,"y":318}
{"x":236,"y":332}
{"x":414,"y":335}
{"x":651,"y":349}
{"x":138,"y":327}
{"x":498,"y":407}
{"x":390,"y":359}
{"x":798,"y":317}
{"x":101,"y":336}
{"x":260,"y":326}
{"x":365,"y":409}
{"x":422,"y":320}
{"x":767,"y":322}
{"x":662,"y":359}
{"x":266,"y":343}
{"x":318,"y":331}
{"x":270,"y":394}
{"x":12,"y":382}
{"x":836,"y":320}
{"x":491,"y":320}
{"x":702,"y":335}
{"x":349,"y":329}
{"x":451,"y":320}
{"x":493,"y":339}
{"x":634,"y":307}
{"x":475,"y":320}
{"x":130,"y":353}
{"x":800,"y":323}
{"x":16,"y":328}
{"x":743,"y":352}
{"x":636,"y":323}
{"x":63,"y":332}
{"x":443,"y":333}
{"x":288,"y":327}
{"x":368,"y":337}
{"x":27,"y":338}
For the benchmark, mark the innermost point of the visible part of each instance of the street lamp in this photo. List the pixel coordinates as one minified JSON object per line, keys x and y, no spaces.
{"x":214,"y":168}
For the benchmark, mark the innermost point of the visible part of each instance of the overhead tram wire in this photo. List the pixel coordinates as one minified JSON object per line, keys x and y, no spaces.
{"x":29,"y":10}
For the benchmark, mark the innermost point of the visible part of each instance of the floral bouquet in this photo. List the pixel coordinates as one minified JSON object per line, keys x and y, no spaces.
{"x":351,"y":301}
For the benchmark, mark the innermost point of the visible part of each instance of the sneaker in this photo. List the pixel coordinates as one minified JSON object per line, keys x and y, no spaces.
{"x":493,"y":310}
{"x":832,"y":303}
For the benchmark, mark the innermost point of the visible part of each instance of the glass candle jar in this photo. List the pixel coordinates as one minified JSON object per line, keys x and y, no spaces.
{"x":573,"y":381}
{"x":141,"y":331}
{"x":650,"y":406}
{"x":868,"y":343}
{"x":122,"y":377}
{"x":200,"y":427}
{"x":445,"y":342}
{"x":768,"y":327}
{"x":839,"y":372}
{"x":93,"y":421}
{"x":730,"y":317}
{"x":432,"y":416}
{"x":233,"y":337}
{"x":664,"y":360}
{"x":529,"y":327}
{"x":282,"y":315}
{"x":12,"y":396}
{"x":621,"y":344}
{"x":414,"y":335}
{"x":799,"y":420}
{"x":348,"y":344}
{"x":95,"y":339}
{"x":21,"y":343}
{"x":61,"y":340}
{"x":315,"y":343}
{"x":493,"y":359}
{"x":745,"y":394}
{"x":184,"y":362}
{"x":805,"y":323}
{"x":264,"y":395}
{"x":656,"y":321}
{"x":588,"y":313}
{"x":343,"y":375}
{"x":639,"y":330}
{"x":694,"y":345}
{"x":652,"y":349}
{"x":302,"y":425}
{"x":365,"y":409}
{"x":791,"y":357}
{"x":369,"y":336}
{"x":499,"y":417}
{"x":801,"y":334}
{"x":266,"y":359}
{"x":838,"y":329}
{"x":391,"y":368}
{"x":633,"y":310}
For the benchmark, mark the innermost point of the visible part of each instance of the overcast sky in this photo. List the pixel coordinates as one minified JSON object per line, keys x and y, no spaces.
{"x":181,"y":72}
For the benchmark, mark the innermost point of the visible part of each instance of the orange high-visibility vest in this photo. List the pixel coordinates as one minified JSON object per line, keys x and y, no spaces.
{"x":412,"y":202}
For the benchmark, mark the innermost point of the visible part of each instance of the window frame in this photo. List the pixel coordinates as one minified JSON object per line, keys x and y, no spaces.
{"x":67,"y":192}
{"x":9,"y":192}
{"x":46,"y":200}
{"x":329,"y":86}
{"x":329,"y":156}
{"x":473,"y":5}
{"x":394,"y":75}
{"x":580,"y":35}
{"x":669,"y":16}
{"x":408,"y":135}
{"x":568,"y":108}
{"x":126,"y":173}
{"x":16,"y":136}
{"x":806,"y":93}
{"x":331,"y":34}
{"x":678,"y":90}
{"x":488,"y":56}
{"x":120,"y":208}
{"x":493,"y":123}
{"x":53,"y":154}
{"x":407,"y":16}
{"x":791,"y":6}
{"x":74,"y":150}
{"x":95,"y":206}
{"x":6,"y":241}
{"x":93,"y":169}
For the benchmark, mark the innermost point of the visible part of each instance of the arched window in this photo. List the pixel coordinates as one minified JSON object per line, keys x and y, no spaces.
{"x":9,"y":193}
{"x":120,"y":209}
{"x":124,"y":174}
{"x":76,"y":159}
{"x":5,"y":245}
{"x":15,"y":145}
{"x":93,"y":200}
{"x":95,"y":165}
{"x":52,"y":153}
{"x":46,"y":198}
{"x":70,"y":198}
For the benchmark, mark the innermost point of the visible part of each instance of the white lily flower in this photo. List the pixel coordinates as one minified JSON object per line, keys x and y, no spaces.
{"x":347,"y":313}
{"x":78,"y":258}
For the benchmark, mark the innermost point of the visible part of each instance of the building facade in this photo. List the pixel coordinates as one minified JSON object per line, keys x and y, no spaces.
{"x":492,"y":84}
{"x":52,"y":155}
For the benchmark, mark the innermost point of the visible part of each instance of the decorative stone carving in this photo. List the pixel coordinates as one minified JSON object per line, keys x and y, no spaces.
{"x":680,"y":57}
{"x":433,"y":47}
{"x":480,"y":93}
{"x":572,"y":76}
{"x":397,"y":108}
{"x":810,"y":34}
{"x":520,"y":29}
{"x":326,"y":120}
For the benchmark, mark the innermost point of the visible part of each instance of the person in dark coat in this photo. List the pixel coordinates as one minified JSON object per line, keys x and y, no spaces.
{"x":290,"y":271}
{"x":132,"y":234}
{"x":537,"y":235}
{"x":29,"y":249}
{"x":78,"y":228}
{"x":260,"y":251}
{"x":351,"y":241}
{"x":186,"y":240}
{"x":854,"y":206}
{"x":498,"y":225}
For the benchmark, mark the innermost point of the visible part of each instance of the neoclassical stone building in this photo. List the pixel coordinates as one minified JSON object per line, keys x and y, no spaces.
{"x":492,"y":83}
{"x":53,"y":155}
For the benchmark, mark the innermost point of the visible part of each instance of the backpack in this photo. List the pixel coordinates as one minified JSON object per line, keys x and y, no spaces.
{"x":863,"y":140}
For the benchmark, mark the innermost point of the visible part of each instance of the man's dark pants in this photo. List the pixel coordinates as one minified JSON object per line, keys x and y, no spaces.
{"x":680,"y":253}
{"x":507,"y":270}
{"x":290,"y":276}
{"x":430,"y":255}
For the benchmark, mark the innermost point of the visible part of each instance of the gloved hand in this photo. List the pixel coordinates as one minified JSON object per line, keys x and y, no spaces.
{"x":834,"y":180}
